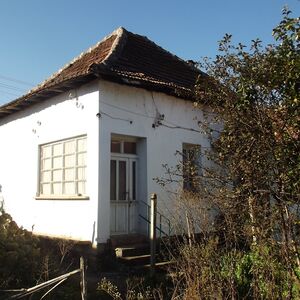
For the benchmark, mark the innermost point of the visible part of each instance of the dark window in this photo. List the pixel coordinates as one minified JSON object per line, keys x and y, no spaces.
{"x":122,"y":180}
{"x":133,"y":180}
{"x":129,"y":147}
{"x":190,"y":166}
{"x":115,"y":146}
{"x":113,"y":180}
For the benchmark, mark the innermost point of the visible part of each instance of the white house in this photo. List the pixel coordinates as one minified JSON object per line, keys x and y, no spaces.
{"x":79,"y":152}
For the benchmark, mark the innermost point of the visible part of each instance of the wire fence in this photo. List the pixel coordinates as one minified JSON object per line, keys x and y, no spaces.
{"x":51,"y":284}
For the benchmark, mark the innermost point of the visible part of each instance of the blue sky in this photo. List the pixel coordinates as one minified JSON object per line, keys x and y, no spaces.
{"x":38,"y":37}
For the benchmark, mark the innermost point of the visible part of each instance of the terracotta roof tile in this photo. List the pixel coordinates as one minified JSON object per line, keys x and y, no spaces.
{"x":80,"y":65}
{"x":142,"y":56}
{"x":123,"y":57}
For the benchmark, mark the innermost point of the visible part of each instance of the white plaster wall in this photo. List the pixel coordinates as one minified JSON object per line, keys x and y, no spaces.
{"x":21,"y":134}
{"x":124,"y":110}
{"x":131,"y":111}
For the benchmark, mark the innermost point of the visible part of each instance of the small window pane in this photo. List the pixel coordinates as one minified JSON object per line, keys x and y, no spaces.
{"x":57,"y":188}
{"x":46,"y":151}
{"x":70,"y":188}
{"x":70,"y":160}
{"x":81,"y":187}
{"x":57,"y":162}
{"x":113,"y":180}
{"x":46,"y":188}
{"x":133,"y":180}
{"x":122,"y":180}
{"x":69,"y":174}
{"x":81,"y":145}
{"x":115,"y":147}
{"x":46,"y":165}
{"x":81,"y":159}
{"x":81,"y":173}
{"x":130,"y":147}
{"x":57,"y":149}
{"x":57,"y":175}
{"x":46,"y":176}
{"x":70,"y":147}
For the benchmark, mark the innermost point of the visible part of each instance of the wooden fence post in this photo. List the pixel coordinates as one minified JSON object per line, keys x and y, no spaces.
{"x":82,"y":279}
{"x":188,"y":228}
{"x":153,"y":213}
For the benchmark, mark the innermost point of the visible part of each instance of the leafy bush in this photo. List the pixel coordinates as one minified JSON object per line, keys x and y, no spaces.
{"x":253,"y":181}
{"x":20,"y":259}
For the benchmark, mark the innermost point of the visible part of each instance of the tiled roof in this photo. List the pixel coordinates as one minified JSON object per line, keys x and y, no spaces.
{"x":122,"y":57}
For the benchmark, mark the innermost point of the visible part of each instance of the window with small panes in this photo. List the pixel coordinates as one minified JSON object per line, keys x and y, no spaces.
{"x":63,"y":168}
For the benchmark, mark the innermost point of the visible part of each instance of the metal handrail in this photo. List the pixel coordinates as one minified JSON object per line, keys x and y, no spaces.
{"x":161,"y":220}
{"x":157,"y":228}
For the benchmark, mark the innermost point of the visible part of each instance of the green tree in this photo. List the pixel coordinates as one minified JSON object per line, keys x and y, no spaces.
{"x":255,"y":95}
{"x":253,"y":181}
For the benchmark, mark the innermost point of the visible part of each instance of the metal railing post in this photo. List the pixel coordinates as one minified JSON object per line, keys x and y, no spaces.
{"x":153,"y":213}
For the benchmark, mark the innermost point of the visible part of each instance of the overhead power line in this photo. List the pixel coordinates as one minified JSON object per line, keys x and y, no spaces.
{"x":11,"y":87}
{"x":175,"y":126}
{"x":17,"y":80}
{"x":9,"y":93}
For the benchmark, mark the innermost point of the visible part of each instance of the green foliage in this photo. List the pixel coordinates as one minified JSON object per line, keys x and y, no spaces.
{"x":254,"y":177}
{"x":26,"y":260}
{"x":256,"y":93}
{"x":20,"y":258}
{"x":209,"y":271}
{"x":108,"y":287}
{"x":136,"y":289}
{"x":261,"y":273}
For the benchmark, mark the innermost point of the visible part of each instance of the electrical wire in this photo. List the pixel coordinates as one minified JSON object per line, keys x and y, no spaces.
{"x":127,"y":110}
{"x":16,"y":80}
{"x":114,"y":118}
{"x":11,"y":87}
{"x":9,"y":93}
{"x":175,"y":126}
{"x":157,"y":111}
{"x":180,"y":127}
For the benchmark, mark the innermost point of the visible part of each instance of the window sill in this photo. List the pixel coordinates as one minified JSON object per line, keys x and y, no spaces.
{"x":66,"y":197}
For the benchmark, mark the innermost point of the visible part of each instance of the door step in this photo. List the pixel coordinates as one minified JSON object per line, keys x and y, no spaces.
{"x":137,"y":257}
{"x":133,"y":250}
{"x":127,"y":240}
{"x":138,"y":260}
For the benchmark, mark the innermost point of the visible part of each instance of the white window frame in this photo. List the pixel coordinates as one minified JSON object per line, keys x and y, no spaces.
{"x":63,"y":168}
{"x":122,"y":140}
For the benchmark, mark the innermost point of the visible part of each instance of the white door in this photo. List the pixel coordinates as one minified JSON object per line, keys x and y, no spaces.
{"x":123,"y":194}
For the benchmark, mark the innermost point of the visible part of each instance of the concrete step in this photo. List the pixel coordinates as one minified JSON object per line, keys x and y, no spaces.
{"x":117,"y":241}
{"x":141,"y":260}
{"x":133,"y":250}
{"x":160,"y":267}
{"x":138,"y":260}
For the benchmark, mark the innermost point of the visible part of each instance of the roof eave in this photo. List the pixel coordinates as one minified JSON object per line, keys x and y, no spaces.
{"x":104,"y":72}
{"x":39,"y":96}
{"x":95,"y":71}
